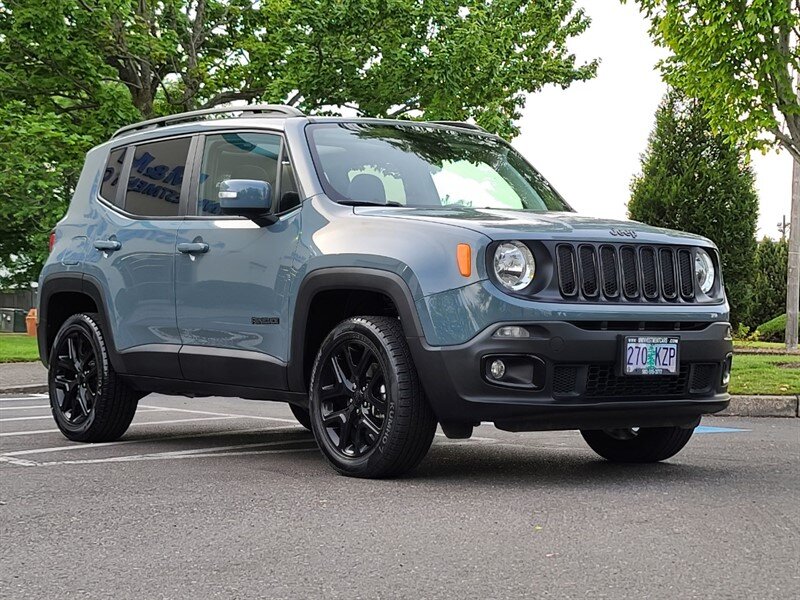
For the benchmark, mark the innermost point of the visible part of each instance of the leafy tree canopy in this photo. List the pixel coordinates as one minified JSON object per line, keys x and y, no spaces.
{"x":739,"y":59}
{"x":697,"y":181}
{"x":74,"y":70}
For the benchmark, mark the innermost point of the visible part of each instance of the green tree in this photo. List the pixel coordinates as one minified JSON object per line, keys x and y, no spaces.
{"x":769,"y":287}
{"x":74,"y":70}
{"x":696,"y":181}
{"x":742,"y":60}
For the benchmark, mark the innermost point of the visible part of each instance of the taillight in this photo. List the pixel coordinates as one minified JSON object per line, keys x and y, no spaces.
{"x":52,"y":241}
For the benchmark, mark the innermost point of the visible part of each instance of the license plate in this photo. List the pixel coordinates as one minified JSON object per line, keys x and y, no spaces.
{"x":650,"y":355}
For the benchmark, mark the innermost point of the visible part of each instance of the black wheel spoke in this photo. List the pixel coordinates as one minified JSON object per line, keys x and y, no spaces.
{"x":75,"y":377}
{"x":364,"y":363}
{"x":64,"y":363}
{"x":346,"y":430}
{"x":82,"y":404}
{"x":339,"y":373}
{"x":376,"y":391}
{"x":336,"y":418}
{"x":352,"y":397}
{"x":366,"y":421}
{"x":91,"y":371}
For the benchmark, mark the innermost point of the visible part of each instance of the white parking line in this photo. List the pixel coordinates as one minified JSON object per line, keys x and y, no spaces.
{"x":51,"y":416}
{"x":82,"y":446}
{"x":26,"y":398}
{"x":203,"y":412}
{"x":169,"y":422}
{"x":24,"y":407}
{"x":196,"y":452}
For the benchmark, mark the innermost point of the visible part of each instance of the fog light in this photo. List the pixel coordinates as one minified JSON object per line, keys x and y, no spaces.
{"x":497,"y":369}
{"x":726,"y":370}
{"x":512,"y":331}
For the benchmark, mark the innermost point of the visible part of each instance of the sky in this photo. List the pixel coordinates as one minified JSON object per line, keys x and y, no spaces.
{"x":587,"y":140}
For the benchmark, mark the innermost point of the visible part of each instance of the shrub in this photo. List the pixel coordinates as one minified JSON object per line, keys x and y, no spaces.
{"x":774,"y":330}
{"x":769,"y":286}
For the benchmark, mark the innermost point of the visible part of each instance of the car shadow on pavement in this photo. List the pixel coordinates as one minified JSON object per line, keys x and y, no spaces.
{"x":501,"y":463}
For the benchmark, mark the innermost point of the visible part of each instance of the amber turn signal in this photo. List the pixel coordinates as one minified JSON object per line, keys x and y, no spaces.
{"x":464,"y":256}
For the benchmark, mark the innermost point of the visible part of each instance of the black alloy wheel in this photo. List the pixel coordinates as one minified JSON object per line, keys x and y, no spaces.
{"x":368,"y":412}
{"x":75,"y":377}
{"x":89,"y":401}
{"x":353,"y":398}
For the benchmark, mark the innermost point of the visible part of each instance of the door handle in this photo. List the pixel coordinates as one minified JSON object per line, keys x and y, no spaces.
{"x":108,"y":245}
{"x":193,"y":247}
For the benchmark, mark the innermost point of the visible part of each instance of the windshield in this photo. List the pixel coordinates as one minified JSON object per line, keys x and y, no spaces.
{"x":419,"y":165}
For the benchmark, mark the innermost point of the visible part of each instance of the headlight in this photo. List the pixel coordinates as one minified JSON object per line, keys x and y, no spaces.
{"x":514,"y":265}
{"x":704,"y":270}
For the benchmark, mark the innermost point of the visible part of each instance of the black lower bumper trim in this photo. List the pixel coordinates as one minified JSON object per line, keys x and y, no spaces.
{"x":582,"y":386}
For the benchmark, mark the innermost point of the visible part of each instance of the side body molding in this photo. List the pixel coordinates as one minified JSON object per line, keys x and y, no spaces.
{"x":346,"y":278}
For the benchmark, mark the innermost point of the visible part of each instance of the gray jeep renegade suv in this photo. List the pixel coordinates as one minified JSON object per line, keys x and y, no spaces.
{"x":380,"y":277}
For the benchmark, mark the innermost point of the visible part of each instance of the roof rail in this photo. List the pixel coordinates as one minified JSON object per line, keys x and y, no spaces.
{"x":460,"y":124}
{"x":264,"y":110}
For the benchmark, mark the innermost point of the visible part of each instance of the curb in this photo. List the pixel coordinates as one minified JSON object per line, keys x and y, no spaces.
{"x":36,"y":388}
{"x":762,"y":406}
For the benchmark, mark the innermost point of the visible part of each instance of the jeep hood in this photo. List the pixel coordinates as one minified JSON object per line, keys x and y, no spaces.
{"x":499,"y":224}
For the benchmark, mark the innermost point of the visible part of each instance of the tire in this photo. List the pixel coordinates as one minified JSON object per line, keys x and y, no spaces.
{"x":369,"y":414}
{"x":302,"y":416}
{"x":90,"y":403}
{"x":644,"y":445}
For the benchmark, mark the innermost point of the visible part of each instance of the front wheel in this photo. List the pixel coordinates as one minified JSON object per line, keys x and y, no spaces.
{"x":90,"y":403}
{"x":638,"y":444}
{"x":368,"y":412}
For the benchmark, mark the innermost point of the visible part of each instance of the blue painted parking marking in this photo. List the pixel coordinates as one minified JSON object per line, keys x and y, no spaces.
{"x":708,"y":429}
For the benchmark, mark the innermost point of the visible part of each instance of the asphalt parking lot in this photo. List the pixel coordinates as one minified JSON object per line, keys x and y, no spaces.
{"x":219,"y":498}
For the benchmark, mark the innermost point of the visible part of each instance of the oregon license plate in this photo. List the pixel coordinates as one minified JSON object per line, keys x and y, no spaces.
{"x":650,"y":355}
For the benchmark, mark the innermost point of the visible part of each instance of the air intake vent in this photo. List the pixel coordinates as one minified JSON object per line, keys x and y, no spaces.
{"x":630,"y":281}
{"x":608,"y":266}
{"x":649,"y":279}
{"x":668,"y":282}
{"x":685,"y":269}
{"x":589,"y":273}
{"x":567,"y":273}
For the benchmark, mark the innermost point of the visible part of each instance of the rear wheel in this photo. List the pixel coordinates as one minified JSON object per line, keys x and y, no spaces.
{"x":90,"y":403}
{"x":639,"y":444}
{"x":368,"y":412}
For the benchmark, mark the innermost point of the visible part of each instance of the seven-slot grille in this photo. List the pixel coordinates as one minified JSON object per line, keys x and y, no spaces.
{"x":625,"y":271}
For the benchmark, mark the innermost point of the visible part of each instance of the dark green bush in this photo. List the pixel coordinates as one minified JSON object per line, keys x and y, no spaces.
{"x":769,"y":286}
{"x":774,"y":330}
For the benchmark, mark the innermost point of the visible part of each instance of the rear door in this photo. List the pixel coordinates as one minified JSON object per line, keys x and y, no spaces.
{"x":132,"y":252}
{"x":232,"y":286}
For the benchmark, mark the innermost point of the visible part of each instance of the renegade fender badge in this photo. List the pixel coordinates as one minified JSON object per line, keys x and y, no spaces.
{"x":265,"y":320}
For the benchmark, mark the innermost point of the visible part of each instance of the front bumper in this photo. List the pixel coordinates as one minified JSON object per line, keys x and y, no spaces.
{"x":578,"y":386}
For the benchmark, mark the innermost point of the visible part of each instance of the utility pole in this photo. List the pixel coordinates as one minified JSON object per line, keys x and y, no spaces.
{"x":793,"y":271}
{"x":783,"y":228}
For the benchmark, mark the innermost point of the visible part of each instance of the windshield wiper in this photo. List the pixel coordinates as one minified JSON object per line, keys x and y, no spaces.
{"x":367,"y":203}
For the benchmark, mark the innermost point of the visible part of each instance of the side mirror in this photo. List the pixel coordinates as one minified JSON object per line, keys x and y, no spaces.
{"x":249,"y":198}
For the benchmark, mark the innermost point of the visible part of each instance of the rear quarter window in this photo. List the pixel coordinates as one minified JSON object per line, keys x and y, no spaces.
{"x":111,"y":175}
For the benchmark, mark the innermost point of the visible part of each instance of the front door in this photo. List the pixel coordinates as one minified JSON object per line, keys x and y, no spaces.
{"x":232,"y":276}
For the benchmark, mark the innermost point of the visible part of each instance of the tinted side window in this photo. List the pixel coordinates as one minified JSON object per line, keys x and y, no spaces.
{"x":235,"y":156}
{"x":108,"y":189}
{"x":154,"y":186}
